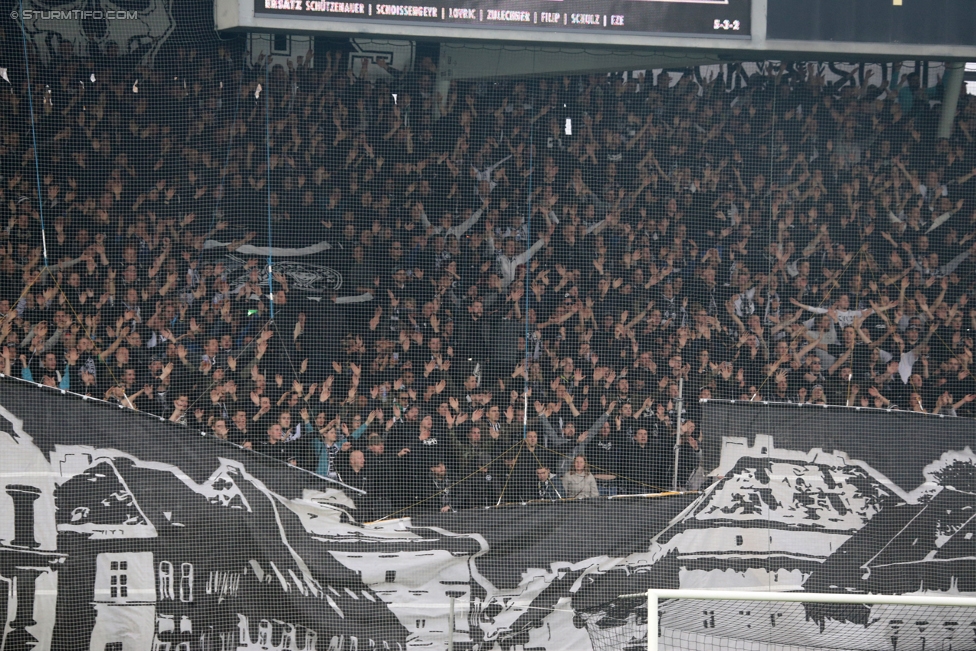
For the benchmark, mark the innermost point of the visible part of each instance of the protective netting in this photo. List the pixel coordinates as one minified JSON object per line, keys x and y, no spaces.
{"x":686,"y":625}
{"x":546,"y":260}
{"x":437,"y":298}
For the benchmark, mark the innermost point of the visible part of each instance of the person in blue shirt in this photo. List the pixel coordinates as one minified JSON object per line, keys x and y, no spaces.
{"x":327,"y":448}
{"x":912,"y":93}
{"x":335,"y":437}
{"x":48,"y":368}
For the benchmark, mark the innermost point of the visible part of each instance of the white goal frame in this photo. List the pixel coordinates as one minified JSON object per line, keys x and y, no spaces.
{"x":654,"y":596}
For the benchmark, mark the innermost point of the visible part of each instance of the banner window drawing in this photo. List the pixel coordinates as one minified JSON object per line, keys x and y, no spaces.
{"x":151,"y":535}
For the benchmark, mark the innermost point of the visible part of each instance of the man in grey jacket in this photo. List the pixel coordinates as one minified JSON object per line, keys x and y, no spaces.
{"x":568,"y":444}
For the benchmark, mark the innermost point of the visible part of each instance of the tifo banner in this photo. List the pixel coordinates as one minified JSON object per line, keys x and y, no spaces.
{"x":898,"y":444}
{"x":122,"y":532}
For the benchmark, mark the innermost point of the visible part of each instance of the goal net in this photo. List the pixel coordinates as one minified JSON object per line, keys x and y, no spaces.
{"x":703,"y":620}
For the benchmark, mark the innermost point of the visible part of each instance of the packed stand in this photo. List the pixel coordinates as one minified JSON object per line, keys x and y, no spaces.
{"x":764,"y":237}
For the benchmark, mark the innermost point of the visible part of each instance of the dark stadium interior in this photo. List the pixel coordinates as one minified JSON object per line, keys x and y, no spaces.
{"x":312,"y":339}
{"x":570,"y":246}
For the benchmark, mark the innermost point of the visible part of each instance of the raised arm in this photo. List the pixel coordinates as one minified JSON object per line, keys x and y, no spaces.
{"x":423,"y":218}
{"x":808,"y":308}
{"x":547,"y":426}
{"x":524,"y":257}
{"x":730,"y":308}
{"x":840,"y":362}
{"x":785,"y":323}
{"x":594,"y":430}
{"x":951,"y":266}
{"x":462,"y":228}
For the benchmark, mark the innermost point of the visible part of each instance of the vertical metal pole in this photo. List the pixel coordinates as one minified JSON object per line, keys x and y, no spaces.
{"x":450,"y":626}
{"x":442,"y":86}
{"x":267,"y":154}
{"x":758,"y":16}
{"x":951,"y":89}
{"x":37,"y":167}
{"x":652,"y":621}
{"x":677,"y":434}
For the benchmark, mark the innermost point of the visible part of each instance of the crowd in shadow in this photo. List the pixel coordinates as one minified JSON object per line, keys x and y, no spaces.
{"x":524,"y":271}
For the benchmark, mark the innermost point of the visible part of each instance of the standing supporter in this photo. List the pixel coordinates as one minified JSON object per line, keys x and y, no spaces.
{"x":783,"y":236}
{"x":276,"y":447}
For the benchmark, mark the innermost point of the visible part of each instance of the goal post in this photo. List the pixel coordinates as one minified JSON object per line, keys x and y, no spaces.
{"x":769,"y":621}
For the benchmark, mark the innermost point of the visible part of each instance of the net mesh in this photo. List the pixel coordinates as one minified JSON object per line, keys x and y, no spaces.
{"x":435,"y":332}
{"x":686,"y":624}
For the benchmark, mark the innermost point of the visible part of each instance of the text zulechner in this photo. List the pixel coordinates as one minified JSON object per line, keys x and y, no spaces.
{"x":506,"y":15}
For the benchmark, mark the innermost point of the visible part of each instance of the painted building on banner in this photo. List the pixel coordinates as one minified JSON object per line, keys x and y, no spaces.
{"x":30,"y":561}
{"x":412,"y":574}
{"x":863,"y":535}
{"x":116,"y":547}
{"x":102,"y":551}
{"x":773,"y":516}
{"x":146,"y":594}
{"x":187,"y":580}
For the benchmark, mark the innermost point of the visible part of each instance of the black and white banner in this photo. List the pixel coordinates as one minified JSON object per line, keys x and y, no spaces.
{"x":118,"y":531}
{"x":312,"y":275}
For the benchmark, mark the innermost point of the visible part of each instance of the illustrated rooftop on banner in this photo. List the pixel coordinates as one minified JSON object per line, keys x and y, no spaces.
{"x":148,"y":533}
{"x":317,"y":318}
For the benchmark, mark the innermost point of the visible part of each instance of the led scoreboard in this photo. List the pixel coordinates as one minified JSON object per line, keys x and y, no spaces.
{"x":721,"y":18}
{"x":929,"y":22}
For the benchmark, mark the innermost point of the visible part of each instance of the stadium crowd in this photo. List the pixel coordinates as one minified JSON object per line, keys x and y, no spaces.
{"x":568,"y":247}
